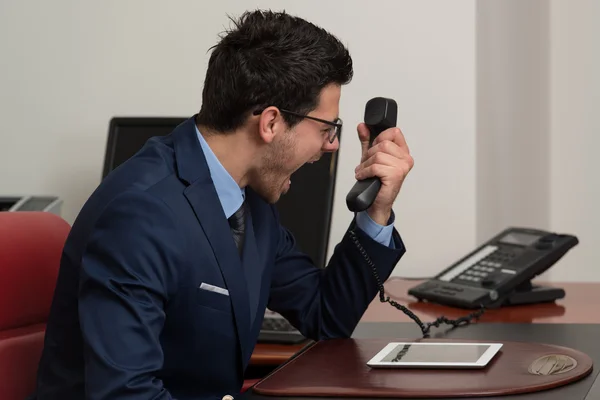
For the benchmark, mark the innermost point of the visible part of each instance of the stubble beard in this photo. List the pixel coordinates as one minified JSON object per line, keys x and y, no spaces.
{"x":275,"y":170}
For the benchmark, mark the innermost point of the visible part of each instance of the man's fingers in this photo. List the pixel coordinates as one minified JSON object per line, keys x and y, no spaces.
{"x":405,"y":162}
{"x":379,"y":158}
{"x":363,"y":136}
{"x":378,"y":170}
{"x":393,"y":134}
{"x":387,"y":146}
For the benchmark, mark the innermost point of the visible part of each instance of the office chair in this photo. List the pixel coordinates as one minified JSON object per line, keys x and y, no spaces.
{"x":31,"y":244}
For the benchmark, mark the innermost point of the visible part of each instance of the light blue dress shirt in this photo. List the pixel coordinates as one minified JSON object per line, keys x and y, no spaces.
{"x":231,"y":197}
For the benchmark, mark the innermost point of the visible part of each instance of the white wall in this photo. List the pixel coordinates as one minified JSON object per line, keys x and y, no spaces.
{"x":538,"y":123}
{"x":69,"y":66}
{"x":498,"y":101}
{"x":575,"y":133}
{"x":513,"y":112}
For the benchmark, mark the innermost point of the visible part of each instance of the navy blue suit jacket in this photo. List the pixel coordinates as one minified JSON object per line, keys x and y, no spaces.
{"x":129,"y":319}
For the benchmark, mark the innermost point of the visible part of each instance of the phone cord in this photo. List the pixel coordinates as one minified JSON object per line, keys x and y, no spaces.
{"x":424,"y":327}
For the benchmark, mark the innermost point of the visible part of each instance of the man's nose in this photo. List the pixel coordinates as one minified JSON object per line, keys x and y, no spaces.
{"x":331,"y":147}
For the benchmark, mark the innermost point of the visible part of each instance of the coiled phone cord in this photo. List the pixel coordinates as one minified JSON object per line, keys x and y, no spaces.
{"x":425,"y":328}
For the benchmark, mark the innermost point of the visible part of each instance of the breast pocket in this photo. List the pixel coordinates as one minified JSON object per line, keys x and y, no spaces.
{"x":213,"y":297}
{"x":213,"y":315}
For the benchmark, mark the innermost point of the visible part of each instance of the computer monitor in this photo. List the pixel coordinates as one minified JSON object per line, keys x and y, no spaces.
{"x":127,"y":135}
{"x":305,"y":210}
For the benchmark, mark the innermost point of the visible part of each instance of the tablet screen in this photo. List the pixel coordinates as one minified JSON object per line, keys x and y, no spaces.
{"x":420,"y":353}
{"x":435,"y":355}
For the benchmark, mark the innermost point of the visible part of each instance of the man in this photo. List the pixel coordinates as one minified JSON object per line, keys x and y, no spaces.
{"x":172,"y":261}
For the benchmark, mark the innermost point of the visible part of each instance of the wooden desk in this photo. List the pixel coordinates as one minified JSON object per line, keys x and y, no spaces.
{"x":580,"y":305}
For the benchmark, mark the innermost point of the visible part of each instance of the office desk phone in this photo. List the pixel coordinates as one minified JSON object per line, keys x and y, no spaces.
{"x":499,"y":272}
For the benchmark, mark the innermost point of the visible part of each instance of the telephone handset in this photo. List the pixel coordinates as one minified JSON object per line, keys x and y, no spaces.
{"x":380,"y":114}
{"x":499,"y":272}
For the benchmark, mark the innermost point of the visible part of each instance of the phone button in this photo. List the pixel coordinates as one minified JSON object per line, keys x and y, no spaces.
{"x":543,"y":245}
{"x":494,"y":280}
{"x":489,"y":282}
{"x":549,"y":238}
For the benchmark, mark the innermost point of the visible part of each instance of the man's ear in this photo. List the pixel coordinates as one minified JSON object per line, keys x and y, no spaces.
{"x":270,"y":123}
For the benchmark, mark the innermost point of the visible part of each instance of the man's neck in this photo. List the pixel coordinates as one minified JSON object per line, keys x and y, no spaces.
{"x":234,"y":152}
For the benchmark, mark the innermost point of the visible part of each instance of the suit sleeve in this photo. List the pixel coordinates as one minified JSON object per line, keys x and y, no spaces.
{"x":127,"y":270}
{"x":329,"y":303}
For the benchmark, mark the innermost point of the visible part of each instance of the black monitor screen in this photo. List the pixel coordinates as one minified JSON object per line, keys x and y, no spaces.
{"x":305,"y":210}
{"x":127,"y":135}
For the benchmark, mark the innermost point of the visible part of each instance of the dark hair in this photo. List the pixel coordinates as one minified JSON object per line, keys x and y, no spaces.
{"x":270,"y":59}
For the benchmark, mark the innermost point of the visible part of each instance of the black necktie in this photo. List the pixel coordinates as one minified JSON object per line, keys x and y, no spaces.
{"x":237,"y":222}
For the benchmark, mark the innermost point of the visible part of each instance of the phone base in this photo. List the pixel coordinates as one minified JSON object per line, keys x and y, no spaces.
{"x":471,"y":297}
{"x":531,"y":294}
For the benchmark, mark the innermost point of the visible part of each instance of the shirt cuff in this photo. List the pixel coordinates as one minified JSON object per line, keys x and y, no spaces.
{"x":379,"y":233}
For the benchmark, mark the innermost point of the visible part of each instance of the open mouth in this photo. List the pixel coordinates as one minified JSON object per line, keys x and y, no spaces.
{"x":311,"y":161}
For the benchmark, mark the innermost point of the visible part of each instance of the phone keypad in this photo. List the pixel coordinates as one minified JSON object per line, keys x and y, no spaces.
{"x":486,"y":266}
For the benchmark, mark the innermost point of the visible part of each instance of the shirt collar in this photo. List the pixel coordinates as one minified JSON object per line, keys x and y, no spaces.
{"x":230,"y":194}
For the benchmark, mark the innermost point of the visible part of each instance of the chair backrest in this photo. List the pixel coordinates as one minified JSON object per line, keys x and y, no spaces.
{"x":31,"y":244}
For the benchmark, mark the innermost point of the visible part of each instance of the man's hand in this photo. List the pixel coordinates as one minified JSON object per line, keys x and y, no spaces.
{"x":390,"y":160}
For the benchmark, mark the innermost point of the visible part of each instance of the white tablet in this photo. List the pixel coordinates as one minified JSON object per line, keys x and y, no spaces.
{"x":434,"y":355}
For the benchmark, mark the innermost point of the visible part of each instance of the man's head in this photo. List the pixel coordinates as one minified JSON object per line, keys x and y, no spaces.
{"x":264,"y":75}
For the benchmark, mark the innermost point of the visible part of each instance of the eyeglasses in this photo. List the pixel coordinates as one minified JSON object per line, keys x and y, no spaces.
{"x":332,"y":133}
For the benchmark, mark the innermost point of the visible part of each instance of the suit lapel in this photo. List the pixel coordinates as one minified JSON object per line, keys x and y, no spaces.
{"x":202,"y":197}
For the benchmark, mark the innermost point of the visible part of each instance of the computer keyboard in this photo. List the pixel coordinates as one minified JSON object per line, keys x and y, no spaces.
{"x":276,"y":329}
{"x":277,"y":324}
